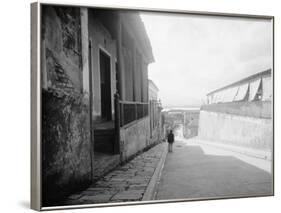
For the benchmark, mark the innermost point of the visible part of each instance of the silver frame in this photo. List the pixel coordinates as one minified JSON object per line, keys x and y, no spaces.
{"x":36,"y":189}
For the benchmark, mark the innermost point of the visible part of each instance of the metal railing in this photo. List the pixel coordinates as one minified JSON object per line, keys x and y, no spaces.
{"x":131,"y":111}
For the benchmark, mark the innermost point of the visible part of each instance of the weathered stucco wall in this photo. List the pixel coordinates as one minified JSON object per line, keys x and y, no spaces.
{"x":66,"y":160}
{"x":134,"y":138}
{"x":234,"y":129}
{"x":61,"y":37}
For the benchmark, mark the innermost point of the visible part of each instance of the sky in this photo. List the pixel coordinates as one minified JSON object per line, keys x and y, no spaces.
{"x":195,"y":54}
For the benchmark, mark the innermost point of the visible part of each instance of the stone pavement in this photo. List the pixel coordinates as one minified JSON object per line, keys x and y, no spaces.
{"x":126,"y":183}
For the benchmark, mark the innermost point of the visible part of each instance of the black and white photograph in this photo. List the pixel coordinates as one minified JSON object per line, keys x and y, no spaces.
{"x":145,"y":106}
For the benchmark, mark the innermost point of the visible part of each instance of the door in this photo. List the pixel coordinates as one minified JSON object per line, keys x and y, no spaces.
{"x":105,"y":86}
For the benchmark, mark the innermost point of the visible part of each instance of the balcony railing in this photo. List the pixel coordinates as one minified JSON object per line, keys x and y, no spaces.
{"x":131,"y":111}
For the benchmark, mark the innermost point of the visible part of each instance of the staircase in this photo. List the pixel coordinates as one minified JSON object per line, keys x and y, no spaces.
{"x":104,"y":158}
{"x":104,"y":140}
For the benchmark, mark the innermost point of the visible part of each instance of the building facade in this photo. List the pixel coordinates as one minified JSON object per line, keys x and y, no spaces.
{"x":95,"y":98}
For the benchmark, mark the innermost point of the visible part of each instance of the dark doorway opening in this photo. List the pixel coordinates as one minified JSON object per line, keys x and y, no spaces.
{"x":105,"y":157}
{"x":104,"y":130}
{"x":105,"y":86}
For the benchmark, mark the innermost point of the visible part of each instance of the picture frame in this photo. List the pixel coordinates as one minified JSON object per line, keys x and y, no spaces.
{"x":109,"y":50}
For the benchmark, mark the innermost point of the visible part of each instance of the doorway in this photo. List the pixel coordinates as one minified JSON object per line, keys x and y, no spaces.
{"x":105,"y":86}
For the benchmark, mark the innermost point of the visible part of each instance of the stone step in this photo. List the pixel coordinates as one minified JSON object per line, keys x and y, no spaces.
{"x":104,"y":140}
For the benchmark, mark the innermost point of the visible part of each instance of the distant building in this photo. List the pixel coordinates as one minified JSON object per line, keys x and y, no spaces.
{"x":95,"y":95}
{"x":183,"y":118}
{"x":153,"y":90}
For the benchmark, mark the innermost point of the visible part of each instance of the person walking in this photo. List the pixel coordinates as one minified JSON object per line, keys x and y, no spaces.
{"x":170,"y":141}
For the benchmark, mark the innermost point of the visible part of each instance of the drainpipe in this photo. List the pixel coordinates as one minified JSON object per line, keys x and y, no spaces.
{"x":116,"y":148}
{"x":91,"y":108}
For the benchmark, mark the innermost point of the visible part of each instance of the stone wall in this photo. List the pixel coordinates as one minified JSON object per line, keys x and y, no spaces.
{"x":237,"y":130}
{"x":66,"y":158}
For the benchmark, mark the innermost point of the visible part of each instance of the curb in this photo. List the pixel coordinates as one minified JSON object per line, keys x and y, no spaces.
{"x":149,"y":193}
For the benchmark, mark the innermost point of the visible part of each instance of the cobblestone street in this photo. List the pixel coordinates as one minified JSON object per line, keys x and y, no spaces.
{"x":126,"y":183}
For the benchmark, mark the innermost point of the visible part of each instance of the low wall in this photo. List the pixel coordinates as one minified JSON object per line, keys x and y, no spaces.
{"x":134,"y":137}
{"x":235,"y":129}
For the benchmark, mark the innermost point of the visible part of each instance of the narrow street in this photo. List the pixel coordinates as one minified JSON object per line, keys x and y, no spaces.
{"x":117,"y":86}
{"x":196,"y":170}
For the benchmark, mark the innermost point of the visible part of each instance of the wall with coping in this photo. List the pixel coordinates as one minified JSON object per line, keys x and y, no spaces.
{"x":134,"y":137}
{"x":237,"y":130}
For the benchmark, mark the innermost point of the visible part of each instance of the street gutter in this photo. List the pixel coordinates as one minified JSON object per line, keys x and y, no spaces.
{"x":150,"y":192}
